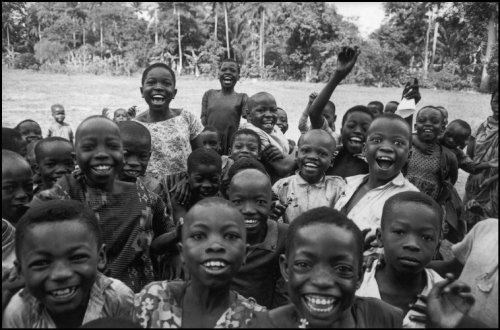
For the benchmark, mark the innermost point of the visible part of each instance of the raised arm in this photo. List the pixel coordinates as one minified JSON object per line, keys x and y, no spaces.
{"x":345,"y":62}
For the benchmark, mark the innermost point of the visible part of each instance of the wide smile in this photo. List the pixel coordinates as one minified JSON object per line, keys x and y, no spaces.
{"x":227,"y":80}
{"x":319,"y":304}
{"x":158,"y":99}
{"x":251,"y":223}
{"x":215,"y":266}
{"x":384,"y":162}
{"x":356,"y":142}
{"x":102,"y":170}
{"x":63,"y":295}
{"x":132,"y":173}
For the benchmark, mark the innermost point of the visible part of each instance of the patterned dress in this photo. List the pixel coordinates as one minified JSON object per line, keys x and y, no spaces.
{"x":424,"y":171}
{"x":159,"y":305}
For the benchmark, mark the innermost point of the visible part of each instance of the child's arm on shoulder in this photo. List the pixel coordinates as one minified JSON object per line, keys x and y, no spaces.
{"x":346,"y":60}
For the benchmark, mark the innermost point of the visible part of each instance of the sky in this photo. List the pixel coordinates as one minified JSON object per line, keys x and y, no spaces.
{"x":370,"y":14}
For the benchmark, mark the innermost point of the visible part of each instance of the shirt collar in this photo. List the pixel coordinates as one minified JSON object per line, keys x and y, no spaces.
{"x":271,"y":240}
{"x":302,"y":182}
{"x":399,"y":180}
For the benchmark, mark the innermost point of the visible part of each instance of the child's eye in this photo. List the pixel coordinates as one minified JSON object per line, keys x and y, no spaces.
{"x":262,"y":202}
{"x":80,"y":257}
{"x":302,"y":265}
{"x":86,"y":147}
{"x":344,"y":270}
{"x":8,"y":189}
{"x":232,"y":236}
{"x":197,"y":236}
{"x":427,"y":238}
{"x":38,"y":264}
{"x":398,"y":143}
{"x":398,"y":232}
{"x":375,"y":140}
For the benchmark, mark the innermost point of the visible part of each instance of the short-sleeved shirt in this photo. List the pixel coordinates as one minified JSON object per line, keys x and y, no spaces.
{"x":260,"y":276}
{"x":302,"y":196}
{"x":223,"y":111}
{"x":478,"y":252}
{"x":62,"y":130}
{"x":109,"y":297}
{"x":171,"y":143}
{"x":159,"y":305}
{"x":369,"y":288}
{"x":129,"y":222}
{"x":368,"y":211}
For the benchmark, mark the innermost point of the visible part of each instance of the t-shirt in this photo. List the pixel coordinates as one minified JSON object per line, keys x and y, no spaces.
{"x":62,"y":130}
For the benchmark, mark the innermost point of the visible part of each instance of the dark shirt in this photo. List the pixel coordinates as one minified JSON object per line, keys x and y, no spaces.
{"x":346,"y":165}
{"x":260,"y":276}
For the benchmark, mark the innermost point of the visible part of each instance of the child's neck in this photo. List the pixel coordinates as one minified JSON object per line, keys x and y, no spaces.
{"x":258,"y":237}
{"x":112,"y":187}
{"x":73,"y":319}
{"x":227,"y":90}
{"x":164,"y":114}
{"x":312,"y":180}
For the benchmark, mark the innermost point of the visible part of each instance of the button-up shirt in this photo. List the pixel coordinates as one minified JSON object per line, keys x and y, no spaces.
{"x":109,"y":297}
{"x":302,"y":196}
{"x":368,"y":211}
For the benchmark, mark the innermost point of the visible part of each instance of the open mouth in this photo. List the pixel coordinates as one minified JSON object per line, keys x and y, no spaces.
{"x":63,"y":294}
{"x":356,"y":141}
{"x":158,"y":99}
{"x":101,"y":169}
{"x":215,"y":266}
{"x":310,"y":166}
{"x":132,"y":173}
{"x":427,"y":131}
{"x":227,"y":80}
{"x":251,"y":223}
{"x":319,"y":303}
{"x":384,"y":162}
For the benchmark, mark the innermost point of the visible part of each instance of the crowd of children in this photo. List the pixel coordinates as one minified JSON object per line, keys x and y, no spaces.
{"x":161,"y":219}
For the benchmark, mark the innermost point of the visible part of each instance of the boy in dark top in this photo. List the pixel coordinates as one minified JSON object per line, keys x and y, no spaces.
{"x":223,"y":108}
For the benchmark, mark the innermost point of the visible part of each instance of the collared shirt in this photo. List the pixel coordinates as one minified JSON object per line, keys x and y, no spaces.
{"x":109,"y":297}
{"x":302,"y":196}
{"x":369,"y":288}
{"x":368,"y":211}
{"x":62,"y":130}
{"x":260,"y":276}
{"x":276,"y":137}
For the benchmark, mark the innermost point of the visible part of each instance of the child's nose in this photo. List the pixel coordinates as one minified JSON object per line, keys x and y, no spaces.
{"x":215,"y":246}
{"x":412,"y":244}
{"x":322,"y":277}
{"x":21,"y":195}
{"x":60,"y":271}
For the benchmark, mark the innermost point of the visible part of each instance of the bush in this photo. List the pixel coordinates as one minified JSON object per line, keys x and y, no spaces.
{"x":26,"y":61}
{"x":49,"y":51}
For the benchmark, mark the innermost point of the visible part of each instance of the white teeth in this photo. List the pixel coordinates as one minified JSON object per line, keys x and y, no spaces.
{"x":356,"y":139}
{"x":215,"y":264}
{"x":320,"y":303}
{"x":102,"y":167}
{"x":63,"y":292}
{"x":250,"y":221}
{"x":311,"y":165}
{"x":385,"y":158}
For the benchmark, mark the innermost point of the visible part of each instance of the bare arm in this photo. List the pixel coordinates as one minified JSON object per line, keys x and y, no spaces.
{"x":204,"y":106}
{"x":346,"y":60}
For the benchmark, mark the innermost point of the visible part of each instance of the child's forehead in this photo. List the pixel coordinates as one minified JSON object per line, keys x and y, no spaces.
{"x":31,"y":125}
{"x":11,"y":165}
{"x":281,"y":112}
{"x":160,"y":71}
{"x":229,"y":64}
{"x":200,"y":168}
{"x":430,"y":111}
{"x":133,"y":140}
{"x":98,"y":127}
{"x":209,"y":135}
{"x":219,"y":213}
{"x":333,"y":234}
{"x":388,"y":127}
{"x":47,"y":148}
{"x":262,"y":99}
{"x":359,"y":116}
{"x":246,"y":137}
{"x":121,"y":111}
{"x":405,"y":211}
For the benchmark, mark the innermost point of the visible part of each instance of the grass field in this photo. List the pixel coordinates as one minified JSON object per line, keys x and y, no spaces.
{"x":27,"y":94}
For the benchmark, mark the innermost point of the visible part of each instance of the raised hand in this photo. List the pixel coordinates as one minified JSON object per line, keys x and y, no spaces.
{"x":346,"y":60}
{"x":312,"y":97}
{"x":411,"y":91}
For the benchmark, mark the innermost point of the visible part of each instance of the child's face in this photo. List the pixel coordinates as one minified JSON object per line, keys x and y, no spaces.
{"x":282,"y":121}
{"x":354,"y":131}
{"x":210,"y":140}
{"x":455,"y":136}
{"x":314,"y":156}
{"x":158,"y":88}
{"x":121,"y":115}
{"x":136,"y":154}
{"x":391,"y":107}
{"x":57,"y":159}
{"x":323,"y":272}
{"x":374,"y":109}
{"x":58,"y":114}
{"x":228,"y":75}
{"x":264,"y":113}
{"x":99,"y":152}
{"x":59,"y":263}
{"x":17,"y":188}
{"x":494,"y":105}
{"x":213,"y":244}
{"x":250,"y":192}
{"x":387,"y":148}
{"x":429,"y":124}
{"x":245,"y":145}
{"x":409,"y":245}
{"x":30,"y":131}
{"x":329,"y":114}
{"x":204,"y":181}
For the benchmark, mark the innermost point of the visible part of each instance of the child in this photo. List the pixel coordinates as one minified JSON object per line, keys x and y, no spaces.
{"x":262,"y":117}
{"x":133,"y":219}
{"x":55,"y":157}
{"x":322,"y":266}
{"x":120,"y":114}
{"x":13,"y":140}
{"x":309,"y":187}
{"x":224,"y":108}
{"x":17,"y":186}
{"x":59,"y":127}
{"x":250,"y":192}
{"x":30,"y":130}
{"x":213,"y":250}
{"x":432,"y":173}
{"x":209,"y":138}
{"x":282,"y":123}
{"x":376,"y":107}
{"x":387,"y":148}
{"x":59,"y":250}
{"x":391,"y":107}
{"x":409,"y":246}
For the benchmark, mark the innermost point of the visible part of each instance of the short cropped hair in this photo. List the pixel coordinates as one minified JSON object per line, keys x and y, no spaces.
{"x":244,"y":164}
{"x":8,"y":155}
{"x":11,"y":139}
{"x":325,"y":216}
{"x":55,"y":106}
{"x":247,"y":131}
{"x":133,"y":128}
{"x":435,"y":108}
{"x":18,"y":126}
{"x":463,"y":124}
{"x":205,"y":156}
{"x":330,"y":103}
{"x":357,"y":108}
{"x":56,"y":211}
{"x":41,"y":143}
{"x":416,"y":197}
{"x":378,"y":104}
{"x":393,"y":116}
{"x":89,"y":118}
{"x":156,"y":65}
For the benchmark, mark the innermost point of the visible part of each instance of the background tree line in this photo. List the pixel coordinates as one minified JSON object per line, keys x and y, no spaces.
{"x":447,"y":45}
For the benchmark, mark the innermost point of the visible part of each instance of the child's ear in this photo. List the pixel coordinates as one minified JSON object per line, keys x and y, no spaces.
{"x":284,"y":267}
{"x":102,"y":259}
{"x":415,"y":127}
{"x":378,"y":235}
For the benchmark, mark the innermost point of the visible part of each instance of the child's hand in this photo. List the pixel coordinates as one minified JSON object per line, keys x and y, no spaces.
{"x":446,"y":304}
{"x":312,"y":97}
{"x":132,"y":111}
{"x":277,"y":210}
{"x":346,"y":60}
{"x":271,"y":153}
{"x":476,"y":181}
{"x":411,"y":91}
{"x":11,"y":283}
{"x":182,"y":191}
{"x":105,"y":112}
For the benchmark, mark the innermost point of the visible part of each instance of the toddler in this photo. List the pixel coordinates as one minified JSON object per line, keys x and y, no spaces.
{"x":59,"y":250}
{"x":376,"y":107}
{"x":58,"y":126}
{"x":282,"y":123}
{"x":391,"y":107}
{"x":30,"y":130}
